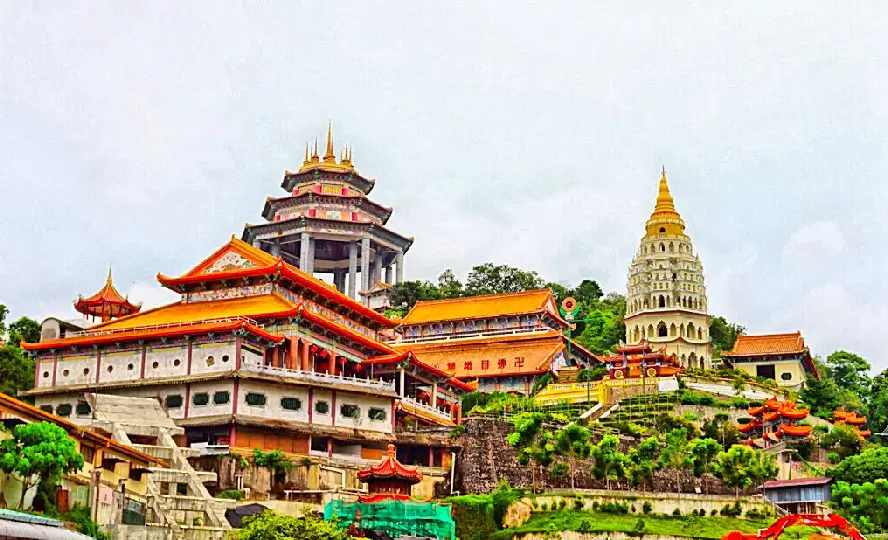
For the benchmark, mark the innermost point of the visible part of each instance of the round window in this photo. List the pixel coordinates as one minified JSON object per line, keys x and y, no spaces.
{"x":110,"y":369}
{"x":155,"y":365}
{"x":176,"y":362}
{"x":45,"y":374}
{"x":786,"y":376}
{"x":66,"y":373}
{"x":130,"y":367}
{"x":86,"y":371}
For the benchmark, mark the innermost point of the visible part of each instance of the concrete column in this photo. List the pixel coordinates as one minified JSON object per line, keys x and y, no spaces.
{"x":388,"y":273}
{"x":256,"y":243}
{"x":401,"y":389}
{"x":311,"y":255}
{"x":365,"y":264}
{"x":339,"y":280}
{"x":435,"y":395}
{"x":303,"y":252}
{"x":377,"y":268}
{"x":276,"y":249}
{"x":352,"y":268}
{"x":399,"y":262}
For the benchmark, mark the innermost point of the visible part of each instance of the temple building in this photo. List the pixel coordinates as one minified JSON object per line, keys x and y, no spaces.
{"x":634,"y":361}
{"x":782,"y":357}
{"x":257,"y":354}
{"x":666,"y":296}
{"x":505,"y":342}
{"x":106,"y":304}
{"x":773,"y":422}
{"x":327,"y":225}
{"x":841,"y":417}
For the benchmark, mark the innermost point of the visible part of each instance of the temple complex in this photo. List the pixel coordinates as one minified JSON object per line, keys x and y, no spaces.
{"x":842,"y":417}
{"x":327,"y":225}
{"x":504,"y":341}
{"x":775,"y":421}
{"x":666,"y":296}
{"x":257,"y":354}
{"x":782,"y":357}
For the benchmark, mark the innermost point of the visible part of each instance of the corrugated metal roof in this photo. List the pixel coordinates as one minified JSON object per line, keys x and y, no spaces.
{"x":19,"y":525}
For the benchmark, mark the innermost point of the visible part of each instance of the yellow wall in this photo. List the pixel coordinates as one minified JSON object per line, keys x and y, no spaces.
{"x":793,"y":367}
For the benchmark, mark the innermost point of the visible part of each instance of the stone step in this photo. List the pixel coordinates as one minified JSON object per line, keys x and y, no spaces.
{"x":165,"y":453}
{"x":160,"y":474}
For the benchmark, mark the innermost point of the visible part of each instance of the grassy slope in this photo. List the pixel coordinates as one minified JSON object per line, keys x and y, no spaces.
{"x":571,"y":520}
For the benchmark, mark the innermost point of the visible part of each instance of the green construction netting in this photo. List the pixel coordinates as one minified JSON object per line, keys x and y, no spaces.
{"x":398,"y":518}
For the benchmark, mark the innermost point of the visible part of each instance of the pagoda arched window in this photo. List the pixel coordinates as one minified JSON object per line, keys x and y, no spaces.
{"x":699,"y":334}
{"x":681,"y":330}
{"x":661,"y":329}
{"x":651,"y":330}
{"x":691,"y":330}
{"x":662,"y":229}
{"x":646,"y":305}
{"x":672,"y":330}
{"x":662,"y":247}
{"x":662,"y":301}
{"x":671,"y":248}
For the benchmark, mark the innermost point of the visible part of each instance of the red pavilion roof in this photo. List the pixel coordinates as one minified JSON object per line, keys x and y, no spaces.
{"x":389,"y":468}
{"x":108,"y":303}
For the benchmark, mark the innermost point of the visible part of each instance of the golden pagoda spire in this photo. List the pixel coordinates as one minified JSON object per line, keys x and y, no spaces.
{"x":665,"y":219}
{"x":108,"y":281}
{"x":346,"y":156}
{"x":307,"y":160}
{"x":314,"y":155}
{"x":330,"y":156}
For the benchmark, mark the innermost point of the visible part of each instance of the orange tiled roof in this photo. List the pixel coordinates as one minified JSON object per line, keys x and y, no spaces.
{"x":502,"y":356}
{"x":107,"y":302}
{"x":768,"y":344}
{"x":477,"y":307}
{"x":179,"y":312}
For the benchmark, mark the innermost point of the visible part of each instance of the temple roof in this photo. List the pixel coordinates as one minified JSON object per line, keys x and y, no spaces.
{"x":106,"y":303}
{"x":359,"y":201}
{"x":328,"y":163}
{"x":481,"y":307}
{"x":390,"y":468}
{"x":768,"y":344}
{"x":398,"y":357}
{"x":524,"y":354}
{"x":238,"y":259}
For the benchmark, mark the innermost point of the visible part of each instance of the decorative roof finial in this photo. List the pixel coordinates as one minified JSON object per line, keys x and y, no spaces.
{"x":329,"y":156}
{"x":108,"y":281}
{"x":346,"y":156}
{"x":307,"y":159}
{"x":314,"y":156}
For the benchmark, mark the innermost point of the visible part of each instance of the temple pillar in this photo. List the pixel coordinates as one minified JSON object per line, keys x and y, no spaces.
{"x":388,"y":274}
{"x":303,"y":252}
{"x":435,"y":394}
{"x":377,"y":268}
{"x":399,"y":262}
{"x":275,"y":357}
{"x":331,"y":361}
{"x":401,"y":388}
{"x":294,"y":354}
{"x":276,"y":249}
{"x":365,"y":264}
{"x":311,"y":255}
{"x":352,"y":268}
{"x":305,"y":352}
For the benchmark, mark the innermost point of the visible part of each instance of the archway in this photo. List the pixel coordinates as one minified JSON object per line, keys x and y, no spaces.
{"x":661,"y":330}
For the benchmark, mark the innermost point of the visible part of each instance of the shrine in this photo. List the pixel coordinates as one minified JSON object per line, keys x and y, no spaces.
{"x":774,"y":421}
{"x":388,"y":479}
{"x":327,"y":225}
{"x":850,"y":418}
{"x":641,"y":360}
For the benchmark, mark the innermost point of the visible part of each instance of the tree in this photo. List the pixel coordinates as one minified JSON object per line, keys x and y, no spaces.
{"x":24,"y":329}
{"x":16,"y":370}
{"x":675,"y":453}
{"x":842,"y":440}
{"x":867,"y":466}
{"x":643,"y":461}
{"x":488,"y":278}
{"x":701,"y":452}
{"x":850,"y":371}
{"x":4,"y":312}
{"x":863,"y":504}
{"x":407,"y":293}
{"x":532,"y":444}
{"x":271,"y":526}
{"x":741,"y":466}
{"x":723,"y":334}
{"x":572,"y":442}
{"x":825,"y":395}
{"x":878,"y":402}
{"x":38,"y":453}
{"x":449,"y":286}
{"x":720,"y":428}
{"x":610,"y":462}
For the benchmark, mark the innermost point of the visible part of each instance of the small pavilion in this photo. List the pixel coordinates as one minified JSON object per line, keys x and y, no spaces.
{"x":389,"y":479}
{"x":107,"y":304}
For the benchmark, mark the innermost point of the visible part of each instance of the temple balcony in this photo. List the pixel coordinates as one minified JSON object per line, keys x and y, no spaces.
{"x":411,"y":405}
{"x":324,"y":378}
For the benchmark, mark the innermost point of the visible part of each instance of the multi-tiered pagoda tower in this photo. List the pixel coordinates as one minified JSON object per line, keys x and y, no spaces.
{"x":328,"y":225}
{"x":666,"y":300}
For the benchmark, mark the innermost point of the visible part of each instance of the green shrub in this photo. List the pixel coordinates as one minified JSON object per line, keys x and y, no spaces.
{"x":676,"y":512}
{"x":596,"y":505}
{"x":647,"y":507}
{"x":545,"y":507}
{"x":586,"y":526}
{"x":234,"y":494}
{"x":561,"y":504}
{"x":473,"y":515}
{"x":713,"y":512}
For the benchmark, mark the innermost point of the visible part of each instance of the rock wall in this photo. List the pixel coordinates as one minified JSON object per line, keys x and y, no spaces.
{"x":486,"y":459}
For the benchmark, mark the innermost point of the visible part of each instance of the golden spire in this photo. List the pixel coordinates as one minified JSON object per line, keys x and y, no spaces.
{"x":108,"y":281}
{"x":307,"y":160}
{"x":314,"y":156}
{"x":330,"y":157}
{"x":346,"y":156}
{"x":665,"y":219}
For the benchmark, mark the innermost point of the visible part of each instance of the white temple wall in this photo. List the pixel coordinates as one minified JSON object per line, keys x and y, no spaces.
{"x":121,"y":366}
{"x":212,"y":357}
{"x":166,"y":362}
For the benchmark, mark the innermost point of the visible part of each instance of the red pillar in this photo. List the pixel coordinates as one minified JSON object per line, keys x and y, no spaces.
{"x":305,"y":353}
{"x":275,"y":357}
{"x":232,"y":435}
{"x":234,"y":398}
{"x":431,"y":457}
{"x":294,"y":353}
{"x":329,"y":447}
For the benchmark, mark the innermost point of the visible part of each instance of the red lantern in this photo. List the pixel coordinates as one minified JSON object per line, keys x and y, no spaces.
{"x":313,"y":348}
{"x":324,"y":353}
{"x":358,"y":367}
{"x":423,"y":395}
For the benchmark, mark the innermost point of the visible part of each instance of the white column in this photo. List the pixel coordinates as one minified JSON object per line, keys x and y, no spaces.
{"x":365,"y":264}
{"x":399,"y":261}
{"x":435,"y":394}
{"x":276,"y":249}
{"x":311,"y":256}
{"x":352,"y":268}
{"x":388,"y":274}
{"x":402,"y":382}
{"x":377,"y":268}
{"x":303,"y":252}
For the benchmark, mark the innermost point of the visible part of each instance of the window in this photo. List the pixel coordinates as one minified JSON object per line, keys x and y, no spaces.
{"x":110,"y":369}
{"x":221,"y":397}
{"x":46,"y":408}
{"x":349,"y":411}
{"x":765,"y":370}
{"x":225,"y":358}
{"x":211,"y":360}
{"x":376,"y":414}
{"x":786,"y":376}
{"x":177,"y":362}
{"x":45,"y":374}
{"x":291,"y":404}
{"x":83,"y":409}
{"x":255,"y":399}
{"x":136,"y":473}
{"x":155,"y":365}
{"x":322,"y":407}
{"x":86,"y":371}
{"x":201,"y":398}
{"x":662,"y":229}
{"x":173,"y":401}
{"x":130,"y":367}
{"x":65,"y":373}
{"x":64,"y":410}
{"x":88,"y":453}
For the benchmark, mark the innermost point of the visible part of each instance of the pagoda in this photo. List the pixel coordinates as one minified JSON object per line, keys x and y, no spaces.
{"x":773,"y":421}
{"x":326,"y":224}
{"x":666,"y":295}
{"x":641,"y":360}
{"x":388,"y":479}
{"x":107,"y":304}
{"x":850,"y":418}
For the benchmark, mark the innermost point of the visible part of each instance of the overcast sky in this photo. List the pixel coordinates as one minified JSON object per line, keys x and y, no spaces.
{"x":522,"y":134}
